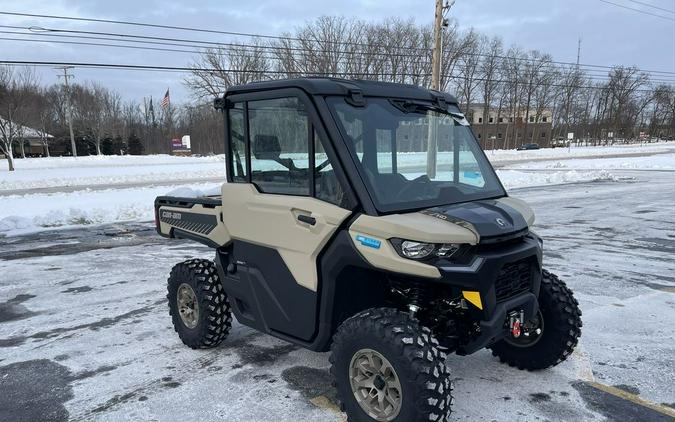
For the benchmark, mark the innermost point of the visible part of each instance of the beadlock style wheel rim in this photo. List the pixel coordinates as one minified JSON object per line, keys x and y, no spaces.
{"x":188,"y":307}
{"x":375,"y":385}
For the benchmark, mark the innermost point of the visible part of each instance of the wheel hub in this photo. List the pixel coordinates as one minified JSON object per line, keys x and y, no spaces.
{"x":188,"y":307}
{"x":375,"y":385}
{"x":526,"y":334}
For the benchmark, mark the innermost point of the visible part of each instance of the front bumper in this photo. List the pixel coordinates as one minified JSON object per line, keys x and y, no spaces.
{"x":480,"y":275}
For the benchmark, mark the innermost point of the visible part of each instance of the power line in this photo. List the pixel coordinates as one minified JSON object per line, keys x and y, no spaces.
{"x":652,"y":6}
{"x":180,"y":28}
{"x":644,"y":12}
{"x":289,"y":38}
{"x":602,"y":78}
{"x":351,"y":54}
{"x":271,"y":72}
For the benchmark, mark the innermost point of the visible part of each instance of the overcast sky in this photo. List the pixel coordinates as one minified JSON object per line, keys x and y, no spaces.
{"x":611,"y":35}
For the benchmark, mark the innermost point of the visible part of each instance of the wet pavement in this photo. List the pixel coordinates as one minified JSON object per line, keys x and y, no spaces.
{"x":85,"y":332}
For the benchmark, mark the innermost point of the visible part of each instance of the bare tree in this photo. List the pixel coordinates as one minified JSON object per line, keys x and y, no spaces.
{"x":218,"y":68}
{"x":16,"y":89}
{"x":489,"y":73}
{"x":469,"y":79}
{"x":623,"y":85}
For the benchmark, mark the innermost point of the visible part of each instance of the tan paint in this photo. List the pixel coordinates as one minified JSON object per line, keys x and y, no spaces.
{"x":271,"y":220}
{"x":412,"y":226}
{"x":521,"y":206}
{"x":386,"y":257}
{"x":218,"y":235}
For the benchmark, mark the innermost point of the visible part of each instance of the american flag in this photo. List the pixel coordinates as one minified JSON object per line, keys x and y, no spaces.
{"x":166,"y":100}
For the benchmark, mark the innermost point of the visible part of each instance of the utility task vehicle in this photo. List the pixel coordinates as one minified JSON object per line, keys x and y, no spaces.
{"x":363,"y":218}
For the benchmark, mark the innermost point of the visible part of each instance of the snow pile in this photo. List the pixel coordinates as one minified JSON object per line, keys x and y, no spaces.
{"x":500,"y":156}
{"x":85,"y":171}
{"x":14,"y":222}
{"x":30,"y":213}
{"x":654,"y":162}
{"x":112,"y":161}
{"x":513,"y":179}
{"x":186,"y":192}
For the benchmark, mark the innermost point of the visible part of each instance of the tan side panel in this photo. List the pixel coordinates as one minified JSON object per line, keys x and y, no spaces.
{"x":414,"y":226}
{"x":521,"y":206}
{"x":387,"y":258}
{"x":218,"y":235}
{"x":271,"y":220}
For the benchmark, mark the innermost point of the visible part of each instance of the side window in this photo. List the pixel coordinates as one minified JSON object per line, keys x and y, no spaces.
{"x":237,"y":157}
{"x":327,"y":187}
{"x":279,"y":137}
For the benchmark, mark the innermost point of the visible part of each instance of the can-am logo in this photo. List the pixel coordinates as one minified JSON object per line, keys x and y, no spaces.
{"x":500,"y":222}
{"x":171,"y":215}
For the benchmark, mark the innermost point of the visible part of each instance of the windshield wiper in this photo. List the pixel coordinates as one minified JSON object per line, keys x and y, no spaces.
{"x":407,"y":106}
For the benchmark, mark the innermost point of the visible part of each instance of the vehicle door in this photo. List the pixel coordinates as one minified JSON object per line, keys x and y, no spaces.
{"x":285,"y":200}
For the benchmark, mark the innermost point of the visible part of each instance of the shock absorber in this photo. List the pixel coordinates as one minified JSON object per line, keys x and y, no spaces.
{"x":416,"y":298}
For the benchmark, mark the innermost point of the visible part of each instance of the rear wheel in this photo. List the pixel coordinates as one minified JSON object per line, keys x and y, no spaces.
{"x":387,"y":367}
{"x":551,"y":335}
{"x":198,"y":304}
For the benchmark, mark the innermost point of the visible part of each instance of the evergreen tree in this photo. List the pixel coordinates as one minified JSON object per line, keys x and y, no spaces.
{"x":135,"y":146}
{"x":119,"y":146}
{"x":107,"y":147}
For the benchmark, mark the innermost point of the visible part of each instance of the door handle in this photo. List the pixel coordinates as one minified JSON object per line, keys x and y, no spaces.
{"x":307,"y":219}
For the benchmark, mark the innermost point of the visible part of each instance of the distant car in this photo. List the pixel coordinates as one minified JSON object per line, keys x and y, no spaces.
{"x":527,"y":146}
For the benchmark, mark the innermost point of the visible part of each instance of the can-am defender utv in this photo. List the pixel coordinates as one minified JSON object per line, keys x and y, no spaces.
{"x":363,"y":218}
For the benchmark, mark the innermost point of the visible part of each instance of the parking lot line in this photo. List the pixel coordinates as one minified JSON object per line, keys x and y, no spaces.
{"x":633,"y":398}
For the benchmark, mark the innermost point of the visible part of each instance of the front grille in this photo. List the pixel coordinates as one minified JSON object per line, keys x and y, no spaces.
{"x":513,"y":278}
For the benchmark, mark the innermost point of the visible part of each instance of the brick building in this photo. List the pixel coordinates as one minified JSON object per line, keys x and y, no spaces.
{"x":504,"y":130}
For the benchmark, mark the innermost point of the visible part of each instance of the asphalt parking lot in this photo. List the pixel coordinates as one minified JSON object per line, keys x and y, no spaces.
{"x":85,"y":332}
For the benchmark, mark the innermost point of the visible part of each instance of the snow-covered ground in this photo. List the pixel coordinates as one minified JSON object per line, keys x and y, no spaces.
{"x":113,"y":170}
{"x":108,"y":170}
{"x":85,"y":333}
{"x":48,"y":193}
{"x":656,"y":162}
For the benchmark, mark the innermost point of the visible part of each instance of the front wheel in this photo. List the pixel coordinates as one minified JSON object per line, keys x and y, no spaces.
{"x":387,"y":367}
{"x":552,"y":334}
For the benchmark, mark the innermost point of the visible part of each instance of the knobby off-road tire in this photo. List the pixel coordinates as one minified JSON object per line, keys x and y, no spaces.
{"x":412,"y":352}
{"x":561,"y":329}
{"x":198,"y":279}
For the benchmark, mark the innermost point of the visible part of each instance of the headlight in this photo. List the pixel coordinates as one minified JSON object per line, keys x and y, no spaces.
{"x":416,"y":250}
{"x":420,"y":250}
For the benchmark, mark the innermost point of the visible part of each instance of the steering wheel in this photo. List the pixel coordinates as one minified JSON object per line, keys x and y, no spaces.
{"x":413,"y":185}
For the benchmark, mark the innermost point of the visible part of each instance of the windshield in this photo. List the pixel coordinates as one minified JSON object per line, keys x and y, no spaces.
{"x":412,"y":154}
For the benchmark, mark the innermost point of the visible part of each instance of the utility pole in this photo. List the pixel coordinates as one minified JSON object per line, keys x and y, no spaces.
{"x":569,"y":141}
{"x":436,"y":56}
{"x":439,"y":23}
{"x":69,"y":110}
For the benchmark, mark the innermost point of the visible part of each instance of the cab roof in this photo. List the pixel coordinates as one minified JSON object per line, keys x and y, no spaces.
{"x":336,"y":86}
